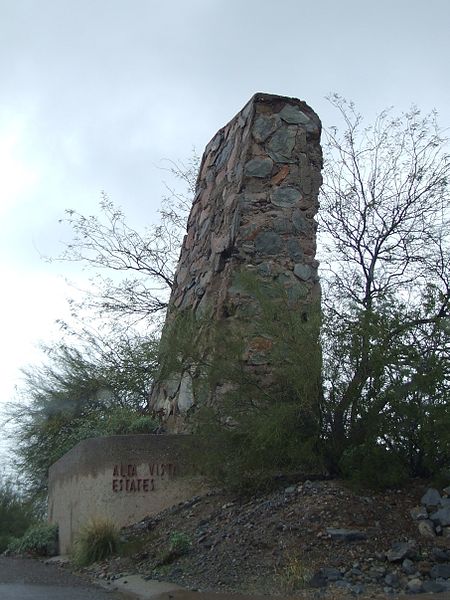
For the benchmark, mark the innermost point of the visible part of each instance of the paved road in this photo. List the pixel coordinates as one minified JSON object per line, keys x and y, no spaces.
{"x":27,"y":579}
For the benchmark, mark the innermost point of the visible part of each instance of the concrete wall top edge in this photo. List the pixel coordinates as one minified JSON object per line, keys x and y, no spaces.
{"x":92,"y":454}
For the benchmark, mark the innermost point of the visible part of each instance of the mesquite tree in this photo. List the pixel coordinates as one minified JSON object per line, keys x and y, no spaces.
{"x":385,"y":212}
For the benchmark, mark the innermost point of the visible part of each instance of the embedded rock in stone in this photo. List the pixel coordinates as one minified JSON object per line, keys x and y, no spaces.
{"x":268,"y":243}
{"x":303,"y":272}
{"x":392,"y":579}
{"x":294,"y":249}
{"x":282,"y":144}
{"x":259,"y":167}
{"x":330,"y":573}
{"x":292,"y":114}
{"x":265,"y":126}
{"x":285,"y":197}
{"x":252,"y":219}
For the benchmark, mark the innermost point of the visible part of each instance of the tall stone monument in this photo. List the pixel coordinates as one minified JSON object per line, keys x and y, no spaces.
{"x":253,"y":212}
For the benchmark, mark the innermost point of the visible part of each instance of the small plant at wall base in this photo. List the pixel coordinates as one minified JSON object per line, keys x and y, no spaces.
{"x":98,"y":540}
{"x":179,"y":544}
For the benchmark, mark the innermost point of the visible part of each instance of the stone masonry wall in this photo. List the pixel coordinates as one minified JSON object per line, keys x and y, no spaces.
{"x":253,"y":210}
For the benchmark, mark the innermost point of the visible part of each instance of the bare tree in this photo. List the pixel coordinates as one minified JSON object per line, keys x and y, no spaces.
{"x":139,"y":266}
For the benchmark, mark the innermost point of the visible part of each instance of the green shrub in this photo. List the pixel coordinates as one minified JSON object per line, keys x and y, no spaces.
{"x":180,"y":542}
{"x":96,"y":541}
{"x":278,"y":439}
{"x":374,"y":466}
{"x":16,"y":514}
{"x":38,"y":540}
{"x":265,"y":369}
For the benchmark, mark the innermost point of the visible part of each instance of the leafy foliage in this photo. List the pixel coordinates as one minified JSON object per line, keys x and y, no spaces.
{"x":38,"y":540}
{"x":79,"y":394}
{"x":386,"y":252}
{"x":16,"y":514}
{"x":179,"y":544}
{"x":383,"y":393}
{"x":267,"y":422}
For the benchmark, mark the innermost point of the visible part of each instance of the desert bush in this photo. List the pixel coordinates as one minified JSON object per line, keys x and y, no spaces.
{"x":179,"y":544}
{"x":38,"y":540}
{"x":257,"y":432}
{"x":16,"y":514}
{"x":374,"y":466}
{"x":97,"y":540}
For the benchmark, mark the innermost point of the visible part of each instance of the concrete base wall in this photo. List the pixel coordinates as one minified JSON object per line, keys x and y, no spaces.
{"x":121,"y":478}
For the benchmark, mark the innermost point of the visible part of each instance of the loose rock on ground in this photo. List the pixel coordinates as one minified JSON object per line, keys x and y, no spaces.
{"x":312,"y":539}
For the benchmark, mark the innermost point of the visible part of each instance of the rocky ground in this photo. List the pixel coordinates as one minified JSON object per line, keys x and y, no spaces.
{"x":315,"y":539}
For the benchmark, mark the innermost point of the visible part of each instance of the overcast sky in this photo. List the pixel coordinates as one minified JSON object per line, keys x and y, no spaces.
{"x":95,"y":94}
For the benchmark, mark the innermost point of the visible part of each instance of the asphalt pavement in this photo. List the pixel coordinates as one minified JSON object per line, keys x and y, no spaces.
{"x":28,"y":579}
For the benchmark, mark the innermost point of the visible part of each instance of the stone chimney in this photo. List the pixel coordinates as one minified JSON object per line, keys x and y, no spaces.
{"x":253,"y":212}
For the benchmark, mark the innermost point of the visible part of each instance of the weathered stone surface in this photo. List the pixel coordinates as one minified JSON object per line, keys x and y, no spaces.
{"x":294,"y":249}
{"x":265,"y":126}
{"x":414,"y":586}
{"x":400,"y":551}
{"x":408,"y":567}
{"x":440,"y":555}
{"x":440,"y":570}
{"x":253,"y":214}
{"x":300,"y":222}
{"x":346,"y":535}
{"x":185,"y":394}
{"x":441,"y":516}
{"x":431,"y":498}
{"x":426,"y":528}
{"x":292,"y":114}
{"x":282,"y":144}
{"x":268,"y":243}
{"x":418,"y":513}
{"x":285,"y":197}
{"x":303,"y":272}
{"x":433,"y":587}
{"x":259,"y":167}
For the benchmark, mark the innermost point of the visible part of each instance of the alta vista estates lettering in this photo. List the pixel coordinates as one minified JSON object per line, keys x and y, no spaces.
{"x":127,"y":479}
